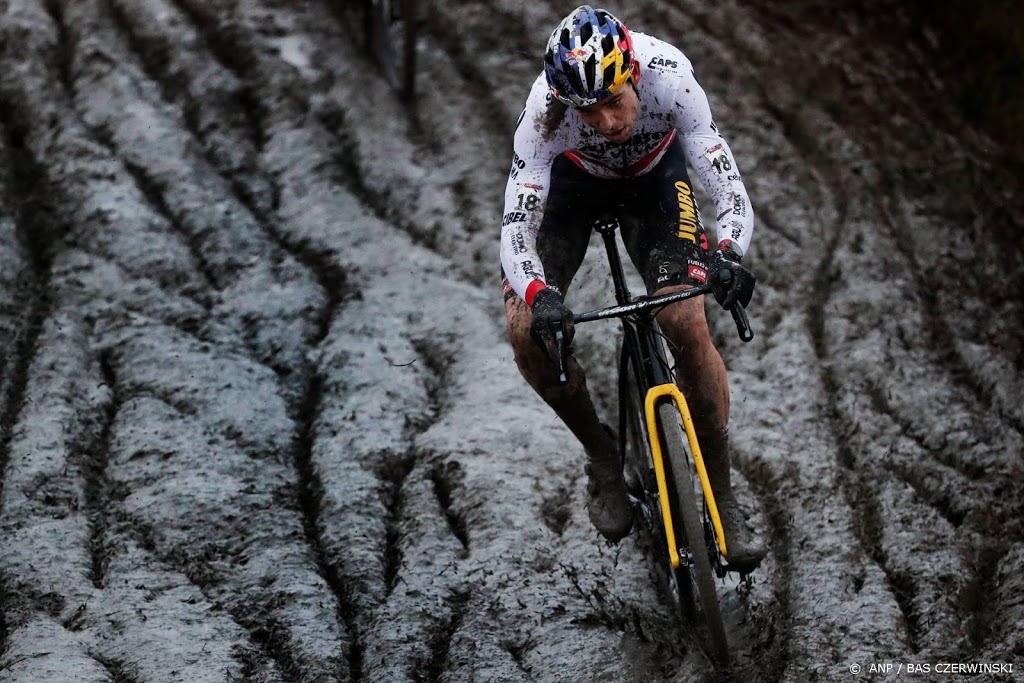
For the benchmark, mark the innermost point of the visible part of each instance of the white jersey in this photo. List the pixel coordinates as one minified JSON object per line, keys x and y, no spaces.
{"x":672,"y":104}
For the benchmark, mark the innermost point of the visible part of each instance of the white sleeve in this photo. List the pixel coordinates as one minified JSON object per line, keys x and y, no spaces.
{"x":526,"y":194}
{"x":712,"y":160}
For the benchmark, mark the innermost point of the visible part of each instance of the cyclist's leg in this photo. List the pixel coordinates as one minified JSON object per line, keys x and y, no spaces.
{"x":670,"y":249}
{"x":667,"y":242}
{"x":562,"y":242}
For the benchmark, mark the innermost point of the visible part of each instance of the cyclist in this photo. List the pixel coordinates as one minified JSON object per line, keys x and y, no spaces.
{"x":611,"y":124}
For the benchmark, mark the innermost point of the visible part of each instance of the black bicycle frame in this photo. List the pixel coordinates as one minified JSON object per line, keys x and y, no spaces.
{"x":641,"y":334}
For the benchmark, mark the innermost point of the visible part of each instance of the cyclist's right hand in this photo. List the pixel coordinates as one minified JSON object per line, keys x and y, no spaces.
{"x":549,"y":314}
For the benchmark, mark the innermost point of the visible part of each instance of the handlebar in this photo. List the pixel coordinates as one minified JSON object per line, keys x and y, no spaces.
{"x":646,"y":303}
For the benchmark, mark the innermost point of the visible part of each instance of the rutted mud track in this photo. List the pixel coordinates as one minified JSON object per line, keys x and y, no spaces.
{"x":259,"y":421}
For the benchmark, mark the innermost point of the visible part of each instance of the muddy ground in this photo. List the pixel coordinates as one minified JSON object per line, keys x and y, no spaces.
{"x":260,"y":421}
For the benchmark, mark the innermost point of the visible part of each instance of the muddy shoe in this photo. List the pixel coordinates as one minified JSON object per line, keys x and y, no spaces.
{"x":608,"y":504}
{"x":745,"y":550}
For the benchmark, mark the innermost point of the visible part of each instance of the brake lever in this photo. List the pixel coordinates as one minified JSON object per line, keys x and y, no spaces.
{"x":563,"y":378}
{"x":739,"y":315}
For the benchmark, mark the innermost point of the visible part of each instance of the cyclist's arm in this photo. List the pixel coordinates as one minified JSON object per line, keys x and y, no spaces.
{"x":526,"y":194}
{"x":712,"y":160}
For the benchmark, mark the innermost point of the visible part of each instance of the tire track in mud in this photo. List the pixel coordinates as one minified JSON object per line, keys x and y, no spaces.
{"x":250,"y":184}
{"x":237,"y":50}
{"x":232,"y":52}
{"x":859,"y":488}
{"x":916,"y":594}
{"x":394,"y":494}
{"x":33,"y":225}
{"x":117,"y":670}
{"x":311,"y":496}
{"x":771,"y":651}
{"x":861,"y":484}
{"x":218,"y":107}
{"x":28,"y":304}
{"x":43,"y":239}
{"x":25,"y":304}
{"x":446,"y":193}
{"x":469,"y":50}
{"x":93,"y":450}
{"x":155,"y":196}
{"x":332,"y":281}
{"x":914,"y":588}
{"x":939,"y":331}
{"x":280,"y":657}
{"x":968,"y":396}
{"x":354,"y":656}
{"x":207,"y":562}
{"x":200,"y":211}
{"x":912,"y":592}
{"x":411,"y":481}
{"x":858,"y":491}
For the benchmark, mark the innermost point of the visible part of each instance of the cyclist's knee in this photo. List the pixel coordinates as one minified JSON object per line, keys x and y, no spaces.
{"x":517,"y":324}
{"x":530,"y":357}
{"x":684,"y":322}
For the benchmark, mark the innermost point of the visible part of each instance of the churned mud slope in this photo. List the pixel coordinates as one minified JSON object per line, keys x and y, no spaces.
{"x":259,"y":421}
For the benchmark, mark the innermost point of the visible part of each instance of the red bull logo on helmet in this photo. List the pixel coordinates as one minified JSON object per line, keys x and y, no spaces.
{"x":576,"y":55}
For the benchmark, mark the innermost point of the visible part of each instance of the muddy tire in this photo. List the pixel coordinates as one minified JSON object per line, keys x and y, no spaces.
{"x":691,"y":588}
{"x":696,"y":577}
{"x":639,"y":473}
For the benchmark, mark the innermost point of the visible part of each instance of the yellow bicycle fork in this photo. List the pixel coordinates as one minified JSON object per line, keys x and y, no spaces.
{"x":672,"y":391}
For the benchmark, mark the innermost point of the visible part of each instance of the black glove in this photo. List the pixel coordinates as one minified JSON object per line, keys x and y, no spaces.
{"x":550,"y":314}
{"x":731,"y":282}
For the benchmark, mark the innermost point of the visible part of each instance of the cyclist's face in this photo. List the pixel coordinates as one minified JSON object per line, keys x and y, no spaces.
{"x":613,"y":117}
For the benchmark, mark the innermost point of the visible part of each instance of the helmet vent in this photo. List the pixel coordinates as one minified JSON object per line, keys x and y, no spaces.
{"x":564,"y":39}
{"x":586,"y":31}
{"x":590,"y":70}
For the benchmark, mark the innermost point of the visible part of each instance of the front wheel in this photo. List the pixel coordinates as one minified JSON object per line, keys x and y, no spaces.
{"x":694,"y":574}
{"x":691,"y":586}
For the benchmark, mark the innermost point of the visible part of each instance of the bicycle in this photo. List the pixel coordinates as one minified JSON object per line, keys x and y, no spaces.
{"x":391,"y":28}
{"x":660,"y":451}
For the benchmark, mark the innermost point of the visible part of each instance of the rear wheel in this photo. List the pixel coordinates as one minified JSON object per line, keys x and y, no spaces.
{"x":694,"y":574}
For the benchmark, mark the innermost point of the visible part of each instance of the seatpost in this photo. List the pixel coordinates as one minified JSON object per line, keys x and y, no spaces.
{"x":607,"y":225}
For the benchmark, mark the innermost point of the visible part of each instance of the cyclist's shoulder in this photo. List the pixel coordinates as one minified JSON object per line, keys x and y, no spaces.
{"x":541,"y":121}
{"x":660,"y":59}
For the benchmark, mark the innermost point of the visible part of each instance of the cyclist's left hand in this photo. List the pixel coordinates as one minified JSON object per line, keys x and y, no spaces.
{"x":731,"y":282}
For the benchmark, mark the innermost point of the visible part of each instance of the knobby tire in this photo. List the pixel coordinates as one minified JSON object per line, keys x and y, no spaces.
{"x":688,"y":515}
{"x":694,"y":585}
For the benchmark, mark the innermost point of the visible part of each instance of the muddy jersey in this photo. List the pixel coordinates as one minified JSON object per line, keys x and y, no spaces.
{"x":673,"y":107}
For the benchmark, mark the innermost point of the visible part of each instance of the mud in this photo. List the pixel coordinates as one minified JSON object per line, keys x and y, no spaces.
{"x":259,"y":420}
